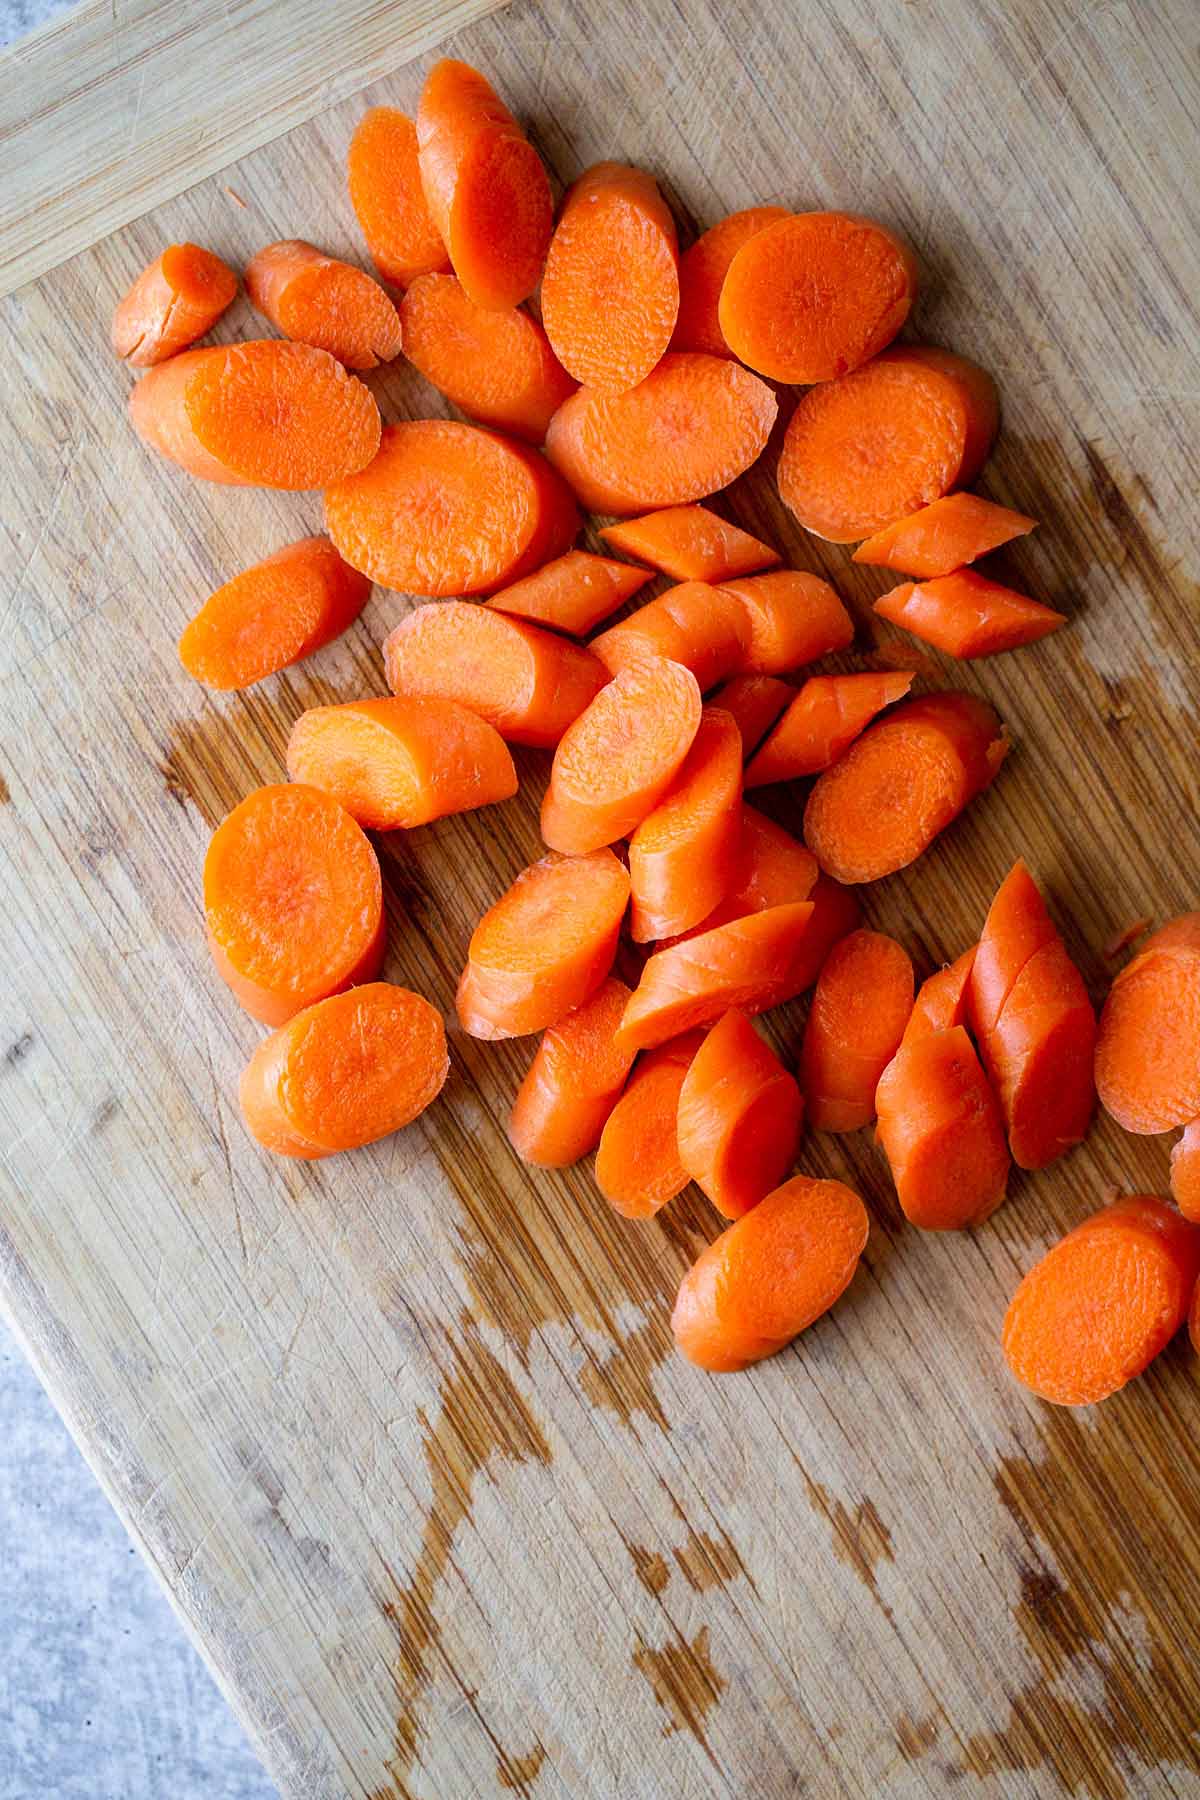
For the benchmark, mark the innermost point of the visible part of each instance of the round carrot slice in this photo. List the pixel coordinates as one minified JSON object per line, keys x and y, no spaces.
{"x":179,"y":297}
{"x":1185,"y":1172}
{"x":740,"y":1117}
{"x":862,"y":1002}
{"x":387,"y":196}
{"x":496,"y":365}
{"x":683,"y":857}
{"x":318,"y":300}
{"x":573,"y":1083}
{"x":702,"y":271}
{"x":1148,"y":1047}
{"x":272,"y":615}
{"x":637,"y":1164}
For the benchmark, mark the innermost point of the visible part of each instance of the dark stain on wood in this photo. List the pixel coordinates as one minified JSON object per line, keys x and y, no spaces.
{"x":684,"y":1681}
{"x":18,"y":1050}
{"x":518,"y":1773}
{"x":860,"y":1538}
{"x":915,"y":1737}
{"x":5,"y":792}
{"x":707,"y":1562}
{"x":650,"y":1566}
{"x":105,"y":1113}
{"x":622,"y":1382}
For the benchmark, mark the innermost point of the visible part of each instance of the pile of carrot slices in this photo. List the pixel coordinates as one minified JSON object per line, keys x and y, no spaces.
{"x":643,"y":382}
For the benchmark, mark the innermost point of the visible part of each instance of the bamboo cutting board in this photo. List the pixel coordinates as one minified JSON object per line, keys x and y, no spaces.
{"x":402,"y":1433}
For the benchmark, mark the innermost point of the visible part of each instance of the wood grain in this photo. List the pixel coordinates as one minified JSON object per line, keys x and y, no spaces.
{"x":402,"y":1434}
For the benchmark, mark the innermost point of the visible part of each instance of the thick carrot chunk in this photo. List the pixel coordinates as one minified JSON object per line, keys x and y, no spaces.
{"x":318,"y":300}
{"x":944,"y":536}
{"x":740,"y":1117}
{"x":272,"y":615}
{"x":174,"y":301}
{"x":573,"y":1083}
{"x":496,"y":365}
{"x":690,"y":543}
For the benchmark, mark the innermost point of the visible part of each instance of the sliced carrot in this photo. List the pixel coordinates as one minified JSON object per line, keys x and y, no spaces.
{"x":529,"y":685}
{"x":702,"y":272}
{"x":966,"y":615}
{"x":174,"y":301}
{"x":487,"y":191}
{"x":941,"y":1131}
{"x":740,"y":1117}
{"x":1148,"y":1048}
{"x":815,"y":295}
{"x":822,"y":721}
{"x":387,"y":196}
{"x":1017,"y":927}
{"x":692,"y":426}
{"x":773,"y":870}
{"x":690,"y":543}
{"x":573,"y":593}
{"x":637,"y":1164}
{"x":1099,"y":1306}
{"x":293,"y":901}
{"x":684,"y":856}
{"x":754,"y":702}
{"x":944,"y":536}
{"x":861,"y":1004}
{"x":835,"y":914}
{"x":700,"y":626}
{"x":449,"y":509}
{"x":904,"y":780}
{"x":272,"y":615}
{"x":496,"y":365}
{"x":1185,"y":1172}
{"x":346,"y":1071}
{"x":615,"y":763}
{"x":573,"y":1083}
{"x":263,"y":414}
{"x":770,"y":1275}
{"x":610,"y":293}
{"x":793,"y":617}
{"x":879,"y":444}
{"x":943,"y":1000}
{"x":544,"y":947}
{"x":892,"y":654}
{"x":318,"y":300}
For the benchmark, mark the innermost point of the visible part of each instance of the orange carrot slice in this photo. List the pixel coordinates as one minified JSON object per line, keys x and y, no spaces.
{"x":487,"y":191}
{"x":1148,"y":1048}
{"x":1185,"y":1172}
{"x":318,"y":300}
{"x":573,"y":593}
{"x":754,"y":702}
{"x":750,"y":964}
{"x":879,"y":444}
{"x":740,"y":1117}
{"x":770,"y":1275}
{"x":943,"y":1001}
{"x":793,"y":617}
{"x":684,"y":856}
{"x":387,"y":196}
{"x":690,"y":543}
{"x":496,"y":365}
{"x":941,"y":1131}
{"x":615,"y":763}
{"x":966,"y":615}
{"x":901,"y":783}
{"x":816,"y":294}
{"x":702,"y":272}
{"x":1017,"y":927}
{"x":174,"y":301}
{"x":692,"y":426}
{"x":861,"y":1004}
{"x":773,"y":870}
{"x":293,"y":901}
{"x":573,"y":1083}
{"x":528,"y":684}
{"x":823,"y":720}
{"x":272,"y":615}
{"x":944,"y":536}
{"x":346,"y":1071}
{"x":264,"y":414}
{"x":835,"y":914}
{"x":1099,"y":1306}
{"x":637,"y":1164}
{"x":699,"y":626}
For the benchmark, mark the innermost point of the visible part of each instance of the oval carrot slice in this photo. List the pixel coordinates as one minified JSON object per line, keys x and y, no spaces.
{"x":449,"y":509}
{"x":690,"y":543}
{"x":1099,"y":1306}
{"x":615,"y":763}
{"x":398,"y":763}
{"x":901,"y":783}
{"x":637,"y":1164}
{"x":544,"y":947}
{"x":702,"y":271}
{"x":610,"y":293}
{"x":773,"y":870}
{"x":941,"y":1131}
{"x":701,"y":627}
{"x":770,"y":1275}
{"x":740,"y":1117}
{"x":943,"y":1001}
{"x":388,"y":199}
{"x":683,"y":857}
{"x":262,"y":414}
{"x":1148,"y":1046}
{"x":966,"y":615}
{"x":344,"y":1072}
{"x":877,"y":445}
{"x":754,"y":702}
{"x":487,"y":191}
{"x":692,"y":426}
{"x":174,"y":301}
{"x":816,"y":294}
{"x":528,"y":684}
{"x":1185,"y":1172}
{"x":318,"y":300}
{"x":793,"y":618}
{"x":573,"y":593}
{"x":293,"y":901}
{"x":861,"y":1004}
{"x":273,"y":615}
{"x":823,"y":720}
{"x":573,"y":1083}
{"x":944,"y":536}
{"x":495,"y":364}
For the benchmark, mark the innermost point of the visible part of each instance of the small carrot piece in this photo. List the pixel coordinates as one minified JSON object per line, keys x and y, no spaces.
{"x":262,"y":414}
{"x":773,"y":870}
{"x":637,"y":1164}
{"x":272,"y":615}
{"x":944,"y":536}
{"x":702,"y":272}
{"x":695,"y":624}
{"x":529,"y":685}
{"x":690,"y":543}
{"x":615,"y":763}
{"x":573,"y":1083}
{"x":1185,"y":1172}
{"x":966,"y":615}
{"x":794,"y":618}
{"x":740,"y":1117}
{"x":495,"y":364}
{"x":877,"y":445}
{"x":901,"y":783}
{"x":388,"y":199}
{"x":610,"y":293}
{"x":684,"y":856}
{"x":835,"y":914}
{"x":941,"y":1131}
{"x":544,"y":947}
{"x":692,"y":426}
{"x":1148,"y":1046}
{"x":573,"y":593}
{"x":449,"y":509}
{"x":487,"y":190}
{"x":770,"y":1275}
{"x":344,"y":1072}
{"x":823,"y":720}
{"x":1017,"y":927}
{"x":861,"y":1004}
{"x":1099,"y":1306}
{"x":293,"y":901}
{"x":754,"y":702}
{"x":174,"y":301}
{"x":815,"y":295}
{"x":943,"y":1000}
{"x":315,"y":299}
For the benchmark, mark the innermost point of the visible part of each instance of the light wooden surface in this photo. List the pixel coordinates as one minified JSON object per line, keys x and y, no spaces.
{"x":403,"y":1433}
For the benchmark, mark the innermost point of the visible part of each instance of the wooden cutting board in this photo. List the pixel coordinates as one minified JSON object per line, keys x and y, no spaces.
{"x":402,"y":1433}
